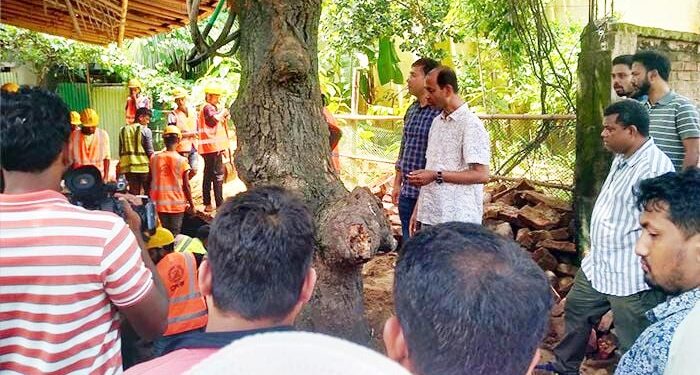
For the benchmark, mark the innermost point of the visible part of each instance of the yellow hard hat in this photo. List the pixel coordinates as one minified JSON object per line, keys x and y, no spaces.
{"x":89,"y":117}
{"x":160,"y":238}
{"x":172,"y":129}
{"x":10,"y":87}
{"x":179,"y":92}
{"x":134,"y":83}
{"x":75,"y":118}
{"x":213,"y":89}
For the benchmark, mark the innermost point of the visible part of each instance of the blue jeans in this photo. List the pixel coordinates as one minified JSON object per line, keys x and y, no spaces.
{"x":406,"y":206}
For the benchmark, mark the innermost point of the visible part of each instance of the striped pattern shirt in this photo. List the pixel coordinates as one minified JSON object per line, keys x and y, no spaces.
{"x":414,"y":143}
{"x":64,"y":271}
{"x":672,"y":119}
{"x":612,"y":266}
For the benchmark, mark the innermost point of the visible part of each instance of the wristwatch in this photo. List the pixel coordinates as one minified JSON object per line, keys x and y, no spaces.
{"x":439,"y":179}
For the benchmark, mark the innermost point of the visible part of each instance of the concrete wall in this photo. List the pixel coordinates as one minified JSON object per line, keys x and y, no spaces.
{"x":682,"y":48}
{"x":676,"y":15}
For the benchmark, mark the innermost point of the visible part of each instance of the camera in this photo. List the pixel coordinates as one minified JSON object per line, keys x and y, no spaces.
{"x":87,"y":190}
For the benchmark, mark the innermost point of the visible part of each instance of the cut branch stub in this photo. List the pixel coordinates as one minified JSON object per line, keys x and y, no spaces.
{"x":355,"y":228}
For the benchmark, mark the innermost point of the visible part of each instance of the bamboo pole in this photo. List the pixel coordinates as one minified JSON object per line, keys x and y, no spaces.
{"x":122,"y":23}
{"x":73,"y":17}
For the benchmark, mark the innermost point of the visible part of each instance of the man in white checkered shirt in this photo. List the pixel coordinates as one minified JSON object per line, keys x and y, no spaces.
{"x":611,"y":277}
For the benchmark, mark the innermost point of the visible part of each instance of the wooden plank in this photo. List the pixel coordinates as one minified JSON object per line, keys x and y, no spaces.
{"x":57,"y":30}
{"x":73,"y":17}
{"x":122,"y":23}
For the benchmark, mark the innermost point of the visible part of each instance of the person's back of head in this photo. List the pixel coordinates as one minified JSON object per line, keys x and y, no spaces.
{"x":203,"y":233}
{"x":467,"y":302}
{"x":34,"y":129}
{"x":259,"y":255}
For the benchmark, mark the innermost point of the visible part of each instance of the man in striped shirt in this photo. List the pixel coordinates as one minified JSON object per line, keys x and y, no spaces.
{"x":611,"y":276}
{"x":65,"y":272}
{"x":674,"y":119}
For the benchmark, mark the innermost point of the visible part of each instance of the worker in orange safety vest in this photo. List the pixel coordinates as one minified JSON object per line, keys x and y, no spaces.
{"x":185,"y":118}
{"x":178,"y":271}
{"x":135,"y":100}
{"x":90,"y":145}
{"x":213,"y":141}
{"x":170,"y":184}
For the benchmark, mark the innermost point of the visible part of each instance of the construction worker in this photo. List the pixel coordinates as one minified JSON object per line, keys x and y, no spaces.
{"x":75,"y":121}
{"x":170,"y":184}
{"x":10,"y":87}
{"x":213,"y":141}
{"x":135,"y":100}
{"x":196,"y":246}
{"x":185,"y":118}
{"x":334,"y":134}
{"x":178,"y":271}
{"x":135,"y":150}
{"x":89,"y":145}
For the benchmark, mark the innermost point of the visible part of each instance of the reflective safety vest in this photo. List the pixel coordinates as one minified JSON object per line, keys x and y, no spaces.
{"x":211,"y":138}
{"x":167,"y":168}
{"x":132,"y":105}
{"x":187,"y":125}
{"x":189,"y":244}
{"x":132,"y":155}
{"x":93,"y":154}
{"x":187,"y":310}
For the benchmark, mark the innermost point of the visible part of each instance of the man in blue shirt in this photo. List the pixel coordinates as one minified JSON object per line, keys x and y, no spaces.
{"x":416,"y":126}
{"x":669,"y":249}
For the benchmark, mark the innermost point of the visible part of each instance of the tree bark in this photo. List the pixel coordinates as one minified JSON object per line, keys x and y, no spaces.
{"x":283,"y":140}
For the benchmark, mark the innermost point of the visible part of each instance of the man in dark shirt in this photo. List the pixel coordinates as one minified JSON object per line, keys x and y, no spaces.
{"x":416,"y":126}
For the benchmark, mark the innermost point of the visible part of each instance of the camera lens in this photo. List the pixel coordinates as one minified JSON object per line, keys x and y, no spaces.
{"x":85,"y":181}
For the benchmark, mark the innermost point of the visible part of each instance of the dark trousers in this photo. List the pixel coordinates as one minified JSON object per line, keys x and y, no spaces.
{"x":171,"y":221}
{"x":138,"y":182}
{"x":213,"y":175}
{"x":406,"y":206}
{"x":584,"y":308}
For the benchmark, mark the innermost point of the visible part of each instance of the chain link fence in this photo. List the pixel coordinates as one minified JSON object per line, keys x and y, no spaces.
{"x":541,"y":148}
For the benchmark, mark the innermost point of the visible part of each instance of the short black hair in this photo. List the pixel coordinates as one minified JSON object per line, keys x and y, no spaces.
{"x":462,"y":294}
{"x":34,"y":128}
{"x":447,"y":76}
{"x":680,"y":191}
{"x":654,"y":60}
{"x":426,"y":64}
{"x":203,"y":232}
{"x":260,"y":249}
{"x":623,"y":60}
{"x":143,"y":111}
{"x":170,"y":139}
{"x":630,"y":112}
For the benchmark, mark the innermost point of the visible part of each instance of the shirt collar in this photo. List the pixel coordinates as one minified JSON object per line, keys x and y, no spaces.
{"x":30,"y":198}
{"x":216,"y":340}
{"x":666,"y":99}
{"x":637,"y":156}
{"x":458,"y":113}
{"x":674,"y":305}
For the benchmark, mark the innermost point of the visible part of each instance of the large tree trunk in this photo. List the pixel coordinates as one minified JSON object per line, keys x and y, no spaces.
{"x":283,"y":140}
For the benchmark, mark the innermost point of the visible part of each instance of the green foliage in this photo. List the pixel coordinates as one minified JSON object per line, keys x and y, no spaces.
{"x":45,"y":53}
